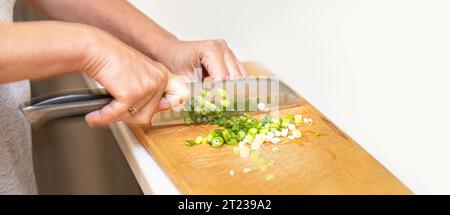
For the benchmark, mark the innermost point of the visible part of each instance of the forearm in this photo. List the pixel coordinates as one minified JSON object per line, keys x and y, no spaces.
{"x":117,"y":17}
{"x":41,"y":49}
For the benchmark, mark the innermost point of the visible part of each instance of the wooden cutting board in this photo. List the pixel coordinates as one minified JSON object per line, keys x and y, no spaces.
{"x":331,"y":163}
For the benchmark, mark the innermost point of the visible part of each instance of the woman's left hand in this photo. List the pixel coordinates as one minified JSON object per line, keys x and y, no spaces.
{"x":188,"y":58}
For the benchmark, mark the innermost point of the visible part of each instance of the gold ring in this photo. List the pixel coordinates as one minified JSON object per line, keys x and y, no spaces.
{"x":132,"y":110}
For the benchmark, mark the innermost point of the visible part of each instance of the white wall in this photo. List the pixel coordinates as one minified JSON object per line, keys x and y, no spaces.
{"x":378,"y":69}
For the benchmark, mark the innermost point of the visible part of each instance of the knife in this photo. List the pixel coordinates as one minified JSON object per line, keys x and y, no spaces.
{"x":248,"y":93}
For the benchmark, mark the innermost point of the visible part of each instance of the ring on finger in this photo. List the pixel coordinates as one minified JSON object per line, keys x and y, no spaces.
{"x":132,"y":110}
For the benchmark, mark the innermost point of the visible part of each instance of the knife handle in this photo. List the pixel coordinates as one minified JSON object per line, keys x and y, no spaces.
{"x":46,"y":108}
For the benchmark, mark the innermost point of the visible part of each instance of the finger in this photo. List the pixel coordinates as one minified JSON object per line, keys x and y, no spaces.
{"x":169,"y":101}
{"x":112,"y":112}
{"x":241,"y":67}
{"x":108,"y":114}
{"x":144,"y":115}
{"x":214,"y":64}
{"x":233,"y":68}
{"x":175,"y":94}
{"x":139,"y":105}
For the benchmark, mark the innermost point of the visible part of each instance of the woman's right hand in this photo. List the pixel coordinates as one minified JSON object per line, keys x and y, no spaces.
{"x":133,"y":79}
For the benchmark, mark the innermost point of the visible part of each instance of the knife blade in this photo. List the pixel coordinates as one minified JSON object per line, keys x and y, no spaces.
{"x":244,"y":94}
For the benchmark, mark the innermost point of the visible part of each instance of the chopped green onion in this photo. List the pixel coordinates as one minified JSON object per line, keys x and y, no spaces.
{"x":224,"y":102}
{"x":226,"y":135}
{"x":298,"y":117}
{"x":285,"y":124}
{"x":308,"y":121}
{"x":259,"y":125}
{"x":263,"y":130}
{"x":290,"y":117}
{"x":296,"y":133}
{"x":210,"y":137}
{"x":249,"y":138}
{"x":277,"y":133}
{"x":275,"y":150}
{"x":190,"y":143}
{"x":222,"y":93}
{"x":286,"y":120}
{"x":232,"y":142}
{"x":188,"y":120}
{"x":284,"y":132}
{"x":276,"y":120}
{"x":204,"y":92}
{"x":291,"y":127}
{"x":246,"y":170}
{"x":261,"y":107}
{"x":241,"y":135}
{"x":253,"y":131}
{"x":241,"y":129}
{"x":266,"y":119}
{"x":275,"y":125}
{"x":275,"y":140}
{"x":298,"y":120}
{"x":217,"y":142}
{"x":199,"y":140}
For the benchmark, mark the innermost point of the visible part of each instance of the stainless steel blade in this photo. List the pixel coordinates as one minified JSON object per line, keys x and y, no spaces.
{"x":247,"y":93}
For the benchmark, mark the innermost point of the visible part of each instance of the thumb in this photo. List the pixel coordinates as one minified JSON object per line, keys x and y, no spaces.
{"x":108,"y":114}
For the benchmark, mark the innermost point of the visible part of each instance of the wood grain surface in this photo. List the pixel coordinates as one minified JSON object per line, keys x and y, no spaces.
{"x":331,"y":163}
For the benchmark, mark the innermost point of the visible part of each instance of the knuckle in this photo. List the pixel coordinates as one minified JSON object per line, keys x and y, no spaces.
{"x":122,"y":95}
{"x":147,"y":84}
{"x":126,"y":94}
{"x":222,"y":42}
{"x":151,"y":86}
{"x":160,"y":74}
{"x":163,"y":67}
{"x":213,"y":45}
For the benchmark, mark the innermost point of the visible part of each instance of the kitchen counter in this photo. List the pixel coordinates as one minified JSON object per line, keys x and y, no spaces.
{"x":334,"y":154}
{"x":148,"y":173}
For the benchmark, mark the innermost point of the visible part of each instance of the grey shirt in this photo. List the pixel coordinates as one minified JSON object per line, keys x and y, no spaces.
{"x":16,"y":163}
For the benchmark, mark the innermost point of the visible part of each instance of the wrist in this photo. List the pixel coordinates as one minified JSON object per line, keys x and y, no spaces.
{"x":159,"y":48}
{"x":92,"y":45}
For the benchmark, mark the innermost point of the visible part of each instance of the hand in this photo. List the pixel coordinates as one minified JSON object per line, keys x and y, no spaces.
{"x":183,"y":58}
{"x":133,"y":79}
